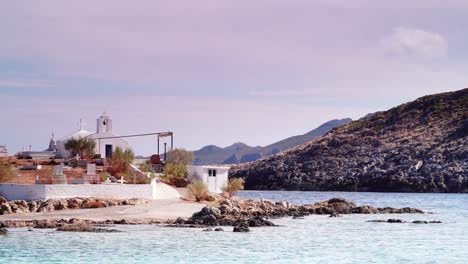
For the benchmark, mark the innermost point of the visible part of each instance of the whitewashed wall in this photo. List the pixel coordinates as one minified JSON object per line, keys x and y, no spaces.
{"x":47,"y":191}
{"x":214,"y":184}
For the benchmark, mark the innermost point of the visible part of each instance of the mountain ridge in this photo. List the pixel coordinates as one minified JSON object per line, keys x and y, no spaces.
{"x":240,"y":152}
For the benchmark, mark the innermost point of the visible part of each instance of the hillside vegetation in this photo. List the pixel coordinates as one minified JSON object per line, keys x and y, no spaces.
{"x":420,"y":146}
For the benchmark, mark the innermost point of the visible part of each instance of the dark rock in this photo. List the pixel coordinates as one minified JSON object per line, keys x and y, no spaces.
{"x":45,"y":224}
{"x":392,"y":221}
{"x":258,"y":221}
{"x":219,"y":229}
{"x":335,"y":215}
{"x":207,"y":230}
{"x":241,"y":228}
{"x":5,"y":209}
{"x":84,"y":227}
{"x":3,"y":231}
{"x":377,"y":221}
{"x":180,"y":221}
{"x":395,"y":221}
{"x":207,"y":216}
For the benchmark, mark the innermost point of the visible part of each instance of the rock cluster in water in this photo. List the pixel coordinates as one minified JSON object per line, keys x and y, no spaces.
{"x":243,"y":214}
{"x":421,"y":146}
{"x":74,"y":224}
{"x":22,"y":206}
{"x":399,"y":221}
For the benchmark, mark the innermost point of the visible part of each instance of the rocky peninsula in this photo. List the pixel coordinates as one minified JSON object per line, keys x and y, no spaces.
{"x":420,"y":146}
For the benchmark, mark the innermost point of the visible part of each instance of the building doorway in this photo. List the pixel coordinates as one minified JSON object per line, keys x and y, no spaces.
{"x":108,"y":151}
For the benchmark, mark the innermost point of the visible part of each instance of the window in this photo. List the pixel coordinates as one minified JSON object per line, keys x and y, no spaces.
{"x":212,"y":173}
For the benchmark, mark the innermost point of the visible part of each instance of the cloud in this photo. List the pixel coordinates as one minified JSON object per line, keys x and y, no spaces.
{"x":415,"y":42}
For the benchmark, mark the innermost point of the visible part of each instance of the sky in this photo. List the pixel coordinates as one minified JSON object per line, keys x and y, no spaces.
{"x":219,"y":72}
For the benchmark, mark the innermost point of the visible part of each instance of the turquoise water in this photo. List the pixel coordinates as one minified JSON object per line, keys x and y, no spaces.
{"x":315,"y":239}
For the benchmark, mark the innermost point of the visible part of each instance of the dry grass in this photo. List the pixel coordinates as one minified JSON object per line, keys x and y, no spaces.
{"x":7,"y":172}
{"x":233,"y":186}
{"x":199,"y":190}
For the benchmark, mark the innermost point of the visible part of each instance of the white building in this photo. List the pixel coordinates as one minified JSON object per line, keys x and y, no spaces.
{"x":3,"y":151}
{"x":106,"y":140}
{"x":214,"y":177}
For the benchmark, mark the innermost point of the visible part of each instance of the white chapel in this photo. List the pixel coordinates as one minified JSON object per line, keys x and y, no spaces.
{"x":106,"y":140}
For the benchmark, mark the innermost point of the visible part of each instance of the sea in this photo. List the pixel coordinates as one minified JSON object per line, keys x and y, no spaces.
{"x":314,"y":239}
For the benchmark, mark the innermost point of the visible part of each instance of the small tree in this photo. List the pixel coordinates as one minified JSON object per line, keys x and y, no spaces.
{"x":177,"y":170}
{"x":84,"y":147}
{"x":180,"y":155}
{"x":120,"y":161}
{"x":233,"y":186}
{"x":199,"y":190}
{"x":7,"y":173}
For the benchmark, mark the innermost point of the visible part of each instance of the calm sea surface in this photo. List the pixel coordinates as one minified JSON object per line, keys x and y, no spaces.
{"x":315,"y":239}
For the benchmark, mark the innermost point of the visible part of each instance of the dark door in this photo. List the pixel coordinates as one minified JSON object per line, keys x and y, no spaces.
{"x":108,"y":151}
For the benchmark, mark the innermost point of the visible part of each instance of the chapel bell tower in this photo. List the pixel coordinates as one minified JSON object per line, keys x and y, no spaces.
{"x":104,"y":124}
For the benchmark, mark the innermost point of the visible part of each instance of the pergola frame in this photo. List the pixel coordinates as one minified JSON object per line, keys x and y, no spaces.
{"x":159,"y":134}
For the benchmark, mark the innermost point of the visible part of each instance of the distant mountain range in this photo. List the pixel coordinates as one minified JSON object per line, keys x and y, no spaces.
{"x":240,"y":153}
{"x":420,"y":146}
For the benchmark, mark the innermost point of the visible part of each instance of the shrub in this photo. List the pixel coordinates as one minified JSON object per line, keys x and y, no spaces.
{"x":7,"y":173}
{"x":84,"y":147}
{"x":146,"y":167}
{"x":103,"y":176}
{"x":120,"y":161}
{"x":180,"y":155}
{"x":234,"y":186}
{"x":199,"y":190}
{"x":175,"y":170}
{"x":142,"y":180}
{"x":210,"y":198}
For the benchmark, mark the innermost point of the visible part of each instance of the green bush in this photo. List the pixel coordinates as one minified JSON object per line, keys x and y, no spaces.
{"x":7,"y":173}
{"x":146,"y":167}
{"x":84,"y":147}
{"x":199,"y":190}
{"x":103,"y":176}
{"x":180,"y":155}
{"x":120,"y":161}
{"x":234,"y":186}
{"x":175,"y":170}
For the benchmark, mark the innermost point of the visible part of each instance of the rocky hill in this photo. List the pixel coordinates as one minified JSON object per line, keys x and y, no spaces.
{"x":241,"y":153}
{"x":420,"y":146}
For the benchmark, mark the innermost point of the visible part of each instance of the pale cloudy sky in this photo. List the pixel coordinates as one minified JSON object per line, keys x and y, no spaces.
{"x":218,"y":72}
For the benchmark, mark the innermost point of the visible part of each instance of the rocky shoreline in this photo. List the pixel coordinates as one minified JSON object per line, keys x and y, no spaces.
{"x":22,"y":206}
{"x":239,"y":213}
{"x":243,"y":214}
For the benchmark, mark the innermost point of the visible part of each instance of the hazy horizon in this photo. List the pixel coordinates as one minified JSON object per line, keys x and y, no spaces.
{"x":216,"y":73}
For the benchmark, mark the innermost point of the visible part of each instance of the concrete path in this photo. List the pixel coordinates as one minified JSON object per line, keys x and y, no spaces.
{"x":155,"y":209}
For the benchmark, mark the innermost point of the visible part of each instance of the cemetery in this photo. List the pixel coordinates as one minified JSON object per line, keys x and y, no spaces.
{"x":62,"y":171}
{"x":86,"y":186}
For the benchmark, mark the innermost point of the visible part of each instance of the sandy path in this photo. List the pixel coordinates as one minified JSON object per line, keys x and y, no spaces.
{"x":157,"y":209}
